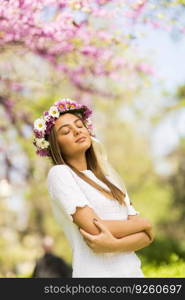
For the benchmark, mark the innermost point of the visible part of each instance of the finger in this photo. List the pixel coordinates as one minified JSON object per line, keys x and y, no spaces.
{"x":101,"y":226}
{"x":90,"y":245}
{"x":87,"y":235}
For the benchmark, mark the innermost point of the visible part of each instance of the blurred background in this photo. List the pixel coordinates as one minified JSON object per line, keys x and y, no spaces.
{"x":125,"y":60}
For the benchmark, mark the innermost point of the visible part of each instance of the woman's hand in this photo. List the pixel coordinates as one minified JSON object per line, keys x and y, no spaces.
{"x":102,"y":242}
{"x":148,"y":230}
{"x":150,"y":234}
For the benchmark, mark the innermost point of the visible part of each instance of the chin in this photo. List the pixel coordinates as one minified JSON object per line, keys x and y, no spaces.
{"x":86,"y":144}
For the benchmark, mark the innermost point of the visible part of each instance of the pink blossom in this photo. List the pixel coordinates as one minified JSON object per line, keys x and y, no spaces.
{"x":145,"y":68}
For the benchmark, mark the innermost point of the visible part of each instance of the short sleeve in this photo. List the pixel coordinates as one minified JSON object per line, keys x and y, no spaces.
{"x":131,"y":210}
{"x":65,"y":190}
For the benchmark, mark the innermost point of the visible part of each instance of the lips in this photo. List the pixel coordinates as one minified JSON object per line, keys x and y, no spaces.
{"x":81,"y":139}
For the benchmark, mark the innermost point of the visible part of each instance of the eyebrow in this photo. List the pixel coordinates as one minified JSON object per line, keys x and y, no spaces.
{"x":67,"y":124}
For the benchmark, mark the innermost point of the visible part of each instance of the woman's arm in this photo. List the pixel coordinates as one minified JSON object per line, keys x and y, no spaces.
{"x":106,"y":242}
{"x":148,"y":231}
{"x":133,"y":242}
{"x":122,"y":228}
{"x":83,"y":217}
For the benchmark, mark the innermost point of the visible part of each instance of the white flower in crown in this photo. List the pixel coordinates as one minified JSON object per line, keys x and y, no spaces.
{"x":53,"y":111}
{"x":40,"y":124}
{"x":42,"y":143}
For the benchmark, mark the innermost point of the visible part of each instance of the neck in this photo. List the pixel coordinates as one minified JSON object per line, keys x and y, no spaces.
{"x":79,"y":162}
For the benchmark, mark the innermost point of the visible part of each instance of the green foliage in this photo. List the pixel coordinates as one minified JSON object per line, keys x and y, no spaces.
{"x":163,"y":258}
{"x":163,"y":250}
{"x":173,"y":269}
{"x":153,"y":201}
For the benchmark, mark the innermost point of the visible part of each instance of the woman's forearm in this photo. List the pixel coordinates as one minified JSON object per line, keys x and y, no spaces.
{"x":122,"y":228}
{"x":132,"y":242}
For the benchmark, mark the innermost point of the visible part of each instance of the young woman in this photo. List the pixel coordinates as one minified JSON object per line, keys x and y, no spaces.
{"x":81,"y":192}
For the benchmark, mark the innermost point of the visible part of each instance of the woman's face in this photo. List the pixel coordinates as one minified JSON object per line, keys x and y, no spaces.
{"x":69,"y":128}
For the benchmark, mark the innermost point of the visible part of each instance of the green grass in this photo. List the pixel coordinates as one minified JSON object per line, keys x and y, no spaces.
{"x":165,"y":270}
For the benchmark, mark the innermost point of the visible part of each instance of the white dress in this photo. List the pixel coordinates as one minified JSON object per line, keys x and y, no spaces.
{"x":68,"y":191}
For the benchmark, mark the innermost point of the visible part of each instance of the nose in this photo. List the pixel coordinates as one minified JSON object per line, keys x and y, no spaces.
{"x":77,"y":131}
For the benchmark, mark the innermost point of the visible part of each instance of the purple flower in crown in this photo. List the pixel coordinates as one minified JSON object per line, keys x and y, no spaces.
{"x":42,"y":152}
{"x":87,"y":111}
{"x":49,"y":125}
{"x":38,"y":134}
{"x":46,"y":113}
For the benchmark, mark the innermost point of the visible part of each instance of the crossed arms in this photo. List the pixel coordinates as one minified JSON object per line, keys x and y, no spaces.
{"x":113,"y":235}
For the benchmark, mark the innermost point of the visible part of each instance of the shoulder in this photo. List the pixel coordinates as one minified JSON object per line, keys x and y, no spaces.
{"x":57,"y":168}
{"x":59,"y":171}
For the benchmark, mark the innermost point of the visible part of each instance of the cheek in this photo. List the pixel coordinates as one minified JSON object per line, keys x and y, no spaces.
{"x":86,"y":132}
{"x":65,"y":142}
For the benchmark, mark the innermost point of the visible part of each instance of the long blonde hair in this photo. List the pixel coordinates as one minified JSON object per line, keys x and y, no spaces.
{"x":92,"y":164}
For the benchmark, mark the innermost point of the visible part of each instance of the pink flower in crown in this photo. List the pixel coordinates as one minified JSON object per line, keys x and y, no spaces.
{"x":61,"y":106}
{"x":66,"y":104}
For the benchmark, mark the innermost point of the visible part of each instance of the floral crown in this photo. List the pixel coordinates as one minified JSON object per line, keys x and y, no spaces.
{"x":43,"y":125}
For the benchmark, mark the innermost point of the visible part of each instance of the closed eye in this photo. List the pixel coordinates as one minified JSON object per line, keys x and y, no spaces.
{"x":69,"y":130}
